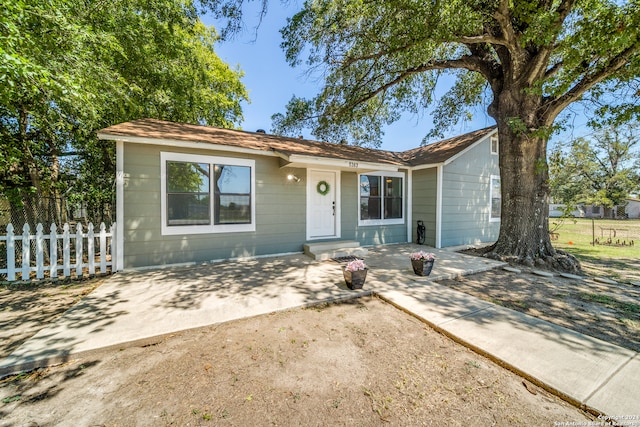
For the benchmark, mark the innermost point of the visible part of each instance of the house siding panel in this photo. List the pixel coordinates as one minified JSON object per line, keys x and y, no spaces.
{"x":369,"y":235}
{"x":465,"y":197}
{"x":424,"y":203}
{"x":280,"y":214}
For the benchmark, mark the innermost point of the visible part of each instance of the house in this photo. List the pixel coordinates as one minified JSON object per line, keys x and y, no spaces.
{"x":631,"y":208}
{"x":188,"y":193}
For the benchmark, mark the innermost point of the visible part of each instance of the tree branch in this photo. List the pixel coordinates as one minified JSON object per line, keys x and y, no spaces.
{"x":467,"y":62}
{"x":537,"y":69}
{"x":556,"y":105}
{"x":502,"y":16}
{"x":482,"y":39}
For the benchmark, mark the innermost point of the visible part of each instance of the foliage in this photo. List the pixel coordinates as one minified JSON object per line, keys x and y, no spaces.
{"x":383,"y":57}
{"x":70,"y":68}
{"x":601,"y":170}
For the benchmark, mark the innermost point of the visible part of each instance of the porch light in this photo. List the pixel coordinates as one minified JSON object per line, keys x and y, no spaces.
{"x":292,"y":177}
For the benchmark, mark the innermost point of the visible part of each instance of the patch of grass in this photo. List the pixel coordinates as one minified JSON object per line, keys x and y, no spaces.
{"x":598,"y":298}
{"x":522,"y":304}
{"x":616,"y":262}
{"x":629,"y":307}
{"x":12,"y":399}
{"x":580,"y":233}
{"x":625,"y":307}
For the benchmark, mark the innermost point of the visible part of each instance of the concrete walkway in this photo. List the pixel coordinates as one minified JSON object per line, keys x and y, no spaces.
{"x":141,"y":307}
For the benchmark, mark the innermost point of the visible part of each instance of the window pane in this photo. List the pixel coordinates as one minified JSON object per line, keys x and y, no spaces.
{"x":392,"y":207}
{"x":188,"y":209}
{"x":370,"y":197}
{"x":393,"y":197}
{"x":369,"y":208}
{"x":496,"y":196}
{"x":234,"y":210}
{"x":233,"y":194}
{"x":233,"y":179}
{"x":183,"y":177}
{"x":188,"y":201}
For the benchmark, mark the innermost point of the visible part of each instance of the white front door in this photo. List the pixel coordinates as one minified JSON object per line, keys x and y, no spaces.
{"x":322,"y":212}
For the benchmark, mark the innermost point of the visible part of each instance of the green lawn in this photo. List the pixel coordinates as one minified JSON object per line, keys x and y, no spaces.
{"x":620,"y":262}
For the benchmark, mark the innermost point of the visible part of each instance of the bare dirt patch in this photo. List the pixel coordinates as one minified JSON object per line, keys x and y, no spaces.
{"x":25,"y":308}
{"x":610,"y":312}
{"x":357,"y":363}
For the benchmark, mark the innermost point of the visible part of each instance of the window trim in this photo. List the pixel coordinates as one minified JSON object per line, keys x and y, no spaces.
{"x":497,"y":144}
{"x":491,"y":179}
{"x":382,"y":221}
{"x":169,"y":230}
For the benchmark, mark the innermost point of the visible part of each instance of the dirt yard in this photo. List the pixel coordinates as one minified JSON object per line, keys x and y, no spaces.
{"x":610,"y":312}
{"x":357,"y":363}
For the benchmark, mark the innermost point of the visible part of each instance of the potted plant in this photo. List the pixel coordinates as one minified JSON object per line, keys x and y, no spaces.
{"x":355,"y":273}
{"x":422,"y":262}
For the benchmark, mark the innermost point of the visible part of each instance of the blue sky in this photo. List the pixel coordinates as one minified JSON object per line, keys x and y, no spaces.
{"x":271,"y":83}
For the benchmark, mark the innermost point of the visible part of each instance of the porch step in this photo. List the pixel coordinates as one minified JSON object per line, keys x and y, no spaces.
{"x":338,"y":249}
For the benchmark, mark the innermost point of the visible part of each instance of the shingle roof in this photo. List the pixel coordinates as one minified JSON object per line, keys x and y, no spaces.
{"x":443,"y":150}
{"x":164,"y":130}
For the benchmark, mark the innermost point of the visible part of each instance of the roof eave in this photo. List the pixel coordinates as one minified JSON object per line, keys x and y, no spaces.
{"x":188,"y":144}
{"x":302,"y":161}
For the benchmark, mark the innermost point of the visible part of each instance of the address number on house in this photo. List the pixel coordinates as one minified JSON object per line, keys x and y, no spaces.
{"x":353,"y":164}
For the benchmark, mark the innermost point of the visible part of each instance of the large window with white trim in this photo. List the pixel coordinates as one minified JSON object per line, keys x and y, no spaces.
{"x":495,"y":197}
{"x":206,"y":194}
{"x":381,"y":198}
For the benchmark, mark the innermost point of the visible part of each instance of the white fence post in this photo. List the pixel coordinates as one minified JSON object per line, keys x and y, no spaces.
{"x":79,"y":250}
{"x":26,"y":252}
{"x":103,"y":248}
{"x":11,"y":254}
{"x":66,"y":249}
{"x":53,"y":252}
{"x":91,"y":256}
{"x":39,"y":252}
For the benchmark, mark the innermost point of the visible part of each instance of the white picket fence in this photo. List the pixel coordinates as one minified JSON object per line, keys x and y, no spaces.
{"x":71,"y":258}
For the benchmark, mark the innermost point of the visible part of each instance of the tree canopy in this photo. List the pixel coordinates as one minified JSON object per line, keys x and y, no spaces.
{"x":382,"y":58}
{"x":601,"y":170}
{"x":71,"y":67}
{"x":526,"y":61}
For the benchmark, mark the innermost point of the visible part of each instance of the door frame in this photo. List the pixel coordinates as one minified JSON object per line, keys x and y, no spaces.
{"x":312,"y":187}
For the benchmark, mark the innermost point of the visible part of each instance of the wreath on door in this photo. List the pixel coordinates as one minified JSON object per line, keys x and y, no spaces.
{"x":323,"y":187}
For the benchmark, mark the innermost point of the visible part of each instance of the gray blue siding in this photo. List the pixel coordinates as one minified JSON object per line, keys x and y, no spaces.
{"x":465,"y":197}
{"x":280,"y":215}
{"x":424,"y":203}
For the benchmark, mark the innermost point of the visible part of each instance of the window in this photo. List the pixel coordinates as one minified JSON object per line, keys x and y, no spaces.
{"x":195,"y":201}
{"x":494,"y":144}
{"x":233,"y":194}
{"x":381,"y":199}
{"x":188,"y":201}
{"x":495,"y":195}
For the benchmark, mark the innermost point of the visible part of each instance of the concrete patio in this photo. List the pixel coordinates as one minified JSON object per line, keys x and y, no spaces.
{"x":140,"y":307}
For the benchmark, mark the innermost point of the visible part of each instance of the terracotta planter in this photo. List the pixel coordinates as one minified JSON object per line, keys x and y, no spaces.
{"x":354,"y":279}
{"x":421,"y":267}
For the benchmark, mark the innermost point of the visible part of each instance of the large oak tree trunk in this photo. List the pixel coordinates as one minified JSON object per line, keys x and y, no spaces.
{"x":524,"y":175}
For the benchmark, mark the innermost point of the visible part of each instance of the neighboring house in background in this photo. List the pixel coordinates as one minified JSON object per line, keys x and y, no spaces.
{"x":631,"y":209}
{"x":189,"y":193}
